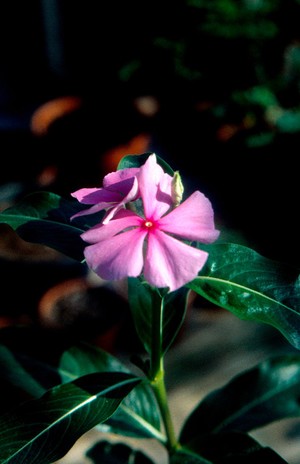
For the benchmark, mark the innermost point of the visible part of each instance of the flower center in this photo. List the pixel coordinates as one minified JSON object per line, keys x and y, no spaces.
{"x":149,"y":225}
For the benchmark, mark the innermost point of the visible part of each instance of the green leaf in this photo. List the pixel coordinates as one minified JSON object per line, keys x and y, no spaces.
{"x":28,"y":364}
{"x":84,"y":359}
{"x":24,"y":376}
{"x":175,"y":305}
{"x":136,"y":161}
{"x":44,"y":218}
{"x":234,"y":448}
{"x":105,"y":452}
{"x":142,"y":298}
{"x":252,"y":287}
{"x":138,"y":415}
{"x":15,"y":374}
{"x":259,"y":396}
{"x":43,"y":430}
{"x":185,"y":456}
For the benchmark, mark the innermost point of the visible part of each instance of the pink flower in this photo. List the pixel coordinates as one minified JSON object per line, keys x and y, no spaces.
{"x":131,"y":244}
{"x":119,"y":188}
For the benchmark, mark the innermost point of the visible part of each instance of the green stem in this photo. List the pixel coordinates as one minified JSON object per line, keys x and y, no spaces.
{"x":157,"y":374}
{"x":156,"y":340}
{"x":159,"y":390}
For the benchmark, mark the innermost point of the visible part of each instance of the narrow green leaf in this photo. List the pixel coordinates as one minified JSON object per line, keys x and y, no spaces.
{"x":142,"y":299}
{"x":105,"y":452}
{"x":43,"y":430}
{"x":44,"y":218}
{"x":138,"y":414}
{"x":252,"y":287}
{"x":136,"y":161}
{"x":257,"y":397}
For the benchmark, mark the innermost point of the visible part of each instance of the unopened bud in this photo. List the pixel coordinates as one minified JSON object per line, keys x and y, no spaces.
{"x":177,"y":189}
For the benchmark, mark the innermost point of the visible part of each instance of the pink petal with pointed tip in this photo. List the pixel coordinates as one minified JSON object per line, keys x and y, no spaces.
{"x":119,"y":176}
{"x":117,"y":257}
{"x":123,"y":220}
{"x":171,"y":263}
{"x":106,"y":199}
{"x":91,"y":196}
{"x":192,"y":220}
{"x":150,"y":177}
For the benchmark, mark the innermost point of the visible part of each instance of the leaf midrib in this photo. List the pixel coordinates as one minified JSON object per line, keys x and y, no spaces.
{"x":244,"y":288}
{"x":57,"y":421}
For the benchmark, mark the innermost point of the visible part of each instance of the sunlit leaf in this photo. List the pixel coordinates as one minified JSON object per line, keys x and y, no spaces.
{"x":43,"y":430}
{"x":44,"y":218}
{"x":252,"y":287}
{"x":138,"y":414}
{"x":257,"y":397}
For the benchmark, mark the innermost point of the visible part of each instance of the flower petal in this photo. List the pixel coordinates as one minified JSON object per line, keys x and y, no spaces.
{"x":92,"y":196}
{"x":123,"y":220}
{"x":112,"y":200}
{"x":192,"y":220}
{"x":130,"y":196}
{"x":98,"y":197}
{"x":117,"y":257}
{"x":119,"y":176}
{"x":154,"y":184}
{"x":171,"y":263}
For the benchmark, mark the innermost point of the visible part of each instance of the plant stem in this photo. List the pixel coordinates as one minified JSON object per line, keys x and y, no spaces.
{"x":159,"y":390}
{"x":157,"y":373}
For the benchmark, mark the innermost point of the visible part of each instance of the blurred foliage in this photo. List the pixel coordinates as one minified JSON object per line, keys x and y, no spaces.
{"x":241,"y":56}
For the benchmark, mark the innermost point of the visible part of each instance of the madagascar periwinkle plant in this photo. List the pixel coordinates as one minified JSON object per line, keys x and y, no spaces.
{"x":138,"y":227}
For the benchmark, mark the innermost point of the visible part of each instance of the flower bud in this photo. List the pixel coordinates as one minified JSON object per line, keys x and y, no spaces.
{"x":177,"y":188}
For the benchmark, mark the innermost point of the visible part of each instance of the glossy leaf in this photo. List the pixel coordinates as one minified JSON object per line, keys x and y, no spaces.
{"x":138,"y":414}
{"x":30,"y":377}
{"x":105,"y":452}
{"x":261,"y":395}
{"x":136,"y":161}
{"x":43,"y":430}
{"x":234,"y":448}
{"x":84,"y":359}
{"x":252,"y":287}
{"x":144,"y":299}
{"x":44,"y":218}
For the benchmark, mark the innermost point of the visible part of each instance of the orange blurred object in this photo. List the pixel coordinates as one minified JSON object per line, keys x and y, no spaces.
{"x":50,"y":111}
{"x":137,"y":145}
